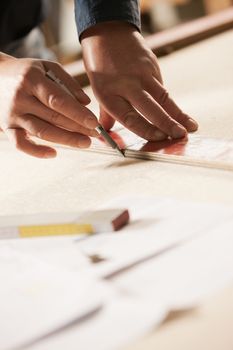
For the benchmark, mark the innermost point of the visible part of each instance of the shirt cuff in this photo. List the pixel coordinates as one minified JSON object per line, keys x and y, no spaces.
{"x":90,"y":12}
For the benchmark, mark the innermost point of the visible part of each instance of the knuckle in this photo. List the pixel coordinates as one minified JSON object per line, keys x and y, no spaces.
{"x":130,"y":118}
{"x":30,"y":71}
{"x":27,"y":76}
{"x":55,"y":101}
{"x":147,"y":64}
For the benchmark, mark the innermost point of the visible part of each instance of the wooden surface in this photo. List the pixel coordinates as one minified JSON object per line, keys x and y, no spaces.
{"x":200,"y":79}
{"x":217,"y":5}
{"x":190,"y":32}
{"x":210,"y":5}
{"x":147,"y":5}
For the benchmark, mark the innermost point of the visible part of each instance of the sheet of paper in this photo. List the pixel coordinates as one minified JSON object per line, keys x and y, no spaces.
{"x":157,"y":225}
{"x":143,"y":286}
{"x":60,"y":252}
{"x":37,"y":298}
{"x":49,"y":299}
{"x":183,"y":277}
{"x":124,"y":319}
{"x":177,"y":280}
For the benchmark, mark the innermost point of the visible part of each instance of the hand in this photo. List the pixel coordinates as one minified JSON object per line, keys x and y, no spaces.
{"x":127,"y":82}
{"x":33,"y":105}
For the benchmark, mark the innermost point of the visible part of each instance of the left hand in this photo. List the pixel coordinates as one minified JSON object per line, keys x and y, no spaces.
{"x":126,"y":79}
{"x":34,"y":106}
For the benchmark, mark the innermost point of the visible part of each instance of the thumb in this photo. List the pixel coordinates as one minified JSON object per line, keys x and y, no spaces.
{"x":105,"y":119}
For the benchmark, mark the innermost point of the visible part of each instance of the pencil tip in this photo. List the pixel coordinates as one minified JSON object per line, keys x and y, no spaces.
{"x":121,"y":152}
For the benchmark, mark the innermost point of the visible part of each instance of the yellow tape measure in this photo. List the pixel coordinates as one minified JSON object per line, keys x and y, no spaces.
{"x":54,"y":230}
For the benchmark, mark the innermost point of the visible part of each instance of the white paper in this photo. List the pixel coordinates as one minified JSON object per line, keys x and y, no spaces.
{"x":124,"y":319}
{"x":186,"y":275}
{"x":36,"y":298}
{"x":156,"y":225}
{"x":58,"y":251}
{"x":159,"y":257}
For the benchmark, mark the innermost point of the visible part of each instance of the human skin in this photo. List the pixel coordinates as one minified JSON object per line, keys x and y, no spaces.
{"x":126,"y":79}
{"x":33,"y":105}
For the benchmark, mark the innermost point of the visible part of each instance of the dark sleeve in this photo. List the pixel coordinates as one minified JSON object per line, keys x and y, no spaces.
{"x":91,"y":12}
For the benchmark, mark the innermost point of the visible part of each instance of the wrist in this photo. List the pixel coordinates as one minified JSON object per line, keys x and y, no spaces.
{"x":107,"y":29}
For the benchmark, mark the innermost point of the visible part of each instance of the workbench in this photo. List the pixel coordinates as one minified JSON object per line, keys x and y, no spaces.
{"x":200,"y":78}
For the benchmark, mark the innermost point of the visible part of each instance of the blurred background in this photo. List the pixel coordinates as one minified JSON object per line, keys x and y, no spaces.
{"x":157,"y":15}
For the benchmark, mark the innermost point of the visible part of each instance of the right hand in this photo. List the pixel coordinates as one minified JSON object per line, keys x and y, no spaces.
{"x":33,"y":105}
{"x":126,"y":79}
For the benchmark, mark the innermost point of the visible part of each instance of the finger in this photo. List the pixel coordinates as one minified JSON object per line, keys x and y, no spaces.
{"x":68,"y":80}
{"x":122,"y":111}
{"x":45,"y":131}
{"x":151,"y":110}
{"x":105,"y":119}
{"x":159,"y":93}
{"x":22,"y":142}
{"x":57,"y":119}
{"x":54,"y":97}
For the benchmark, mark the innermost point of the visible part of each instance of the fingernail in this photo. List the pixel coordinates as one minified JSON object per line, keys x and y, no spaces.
{"x":94,"y":133}
{"x":91,"y":123}
{"x":192,"y":124}
{"x":159,"y":135}
{"x":178,"y":131}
